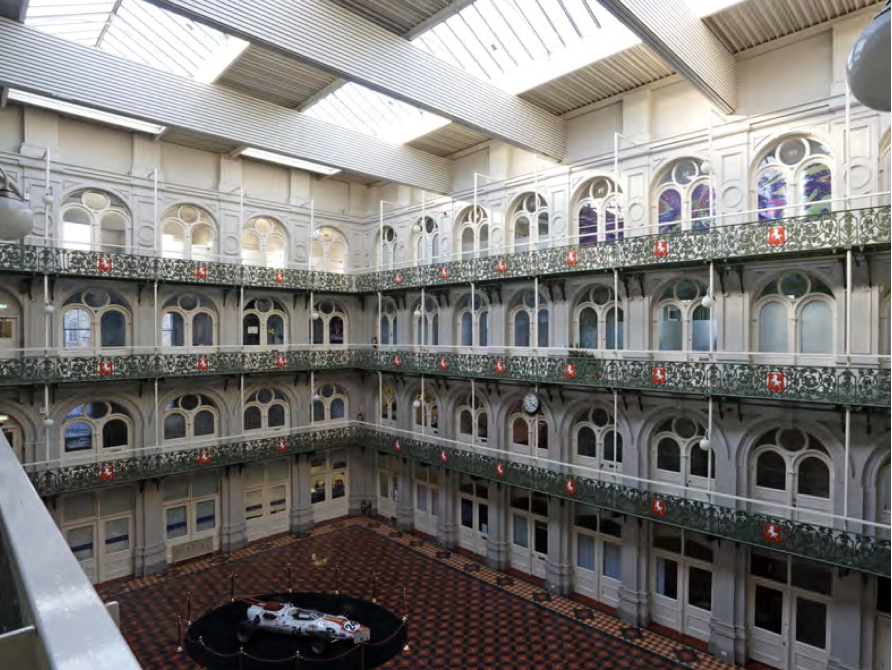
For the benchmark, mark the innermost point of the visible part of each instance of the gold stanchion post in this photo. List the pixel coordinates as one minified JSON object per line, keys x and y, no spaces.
{"x":337,"y":580}
{"x":405,"y":609}
{"x":232,"y":587}
{"x":188,"y":608}
{"x":179,"y":634}
{"x":374,"y":587}
{"x":289,"y":581}
{"x":297,"y":660}
{"x":241,"y":658}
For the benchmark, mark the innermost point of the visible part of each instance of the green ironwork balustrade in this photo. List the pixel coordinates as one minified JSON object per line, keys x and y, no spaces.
{"x":847,"y":549}
{"x":852,"y":386}
{"x":857,"y":228}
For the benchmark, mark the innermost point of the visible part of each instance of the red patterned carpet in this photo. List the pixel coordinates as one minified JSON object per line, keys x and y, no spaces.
{"x":459,"y":617}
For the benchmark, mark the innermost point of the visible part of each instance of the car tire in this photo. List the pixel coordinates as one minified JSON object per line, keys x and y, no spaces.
{"x":318,"y":647}
{"x":245,"y":632}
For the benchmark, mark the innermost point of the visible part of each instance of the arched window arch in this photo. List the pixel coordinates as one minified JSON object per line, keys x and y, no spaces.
{"x":682,"y":323}
{"x":795,"y":313}
{"x":522,"y":319}
{"x":426,"y":322}
{"x":190,"y":416}
{"x":527,"y":433}
{"x":885,"y":171}
{"x":264,"y":243}
{"x":426,"y":240}
{"x":389,"y":322}
{"x":793,"y":178}
{"x":331,"y":325}
{"x":264,"y":323}
{"x":599,"y":217}
{"x":466,"y":415}
{"x":95,"y":317}
{"x":468,"y":320}
{"x":96,"y":426}
{"x":94,"y":219}
{"x":885,"y":321}
{"x":472,"y":233}
{"x":676,"y":454}
{"x":884,"y":491}
{"x":388,"y":405}
{"x":188,"y":319}
{"x":385,"y":252}
{"x":266,"y":409}
{"x":328,"y":252}
{"x":529,"y":221}
{"x":330,"y":403}
{"x":596,"y":441}
{"x":187,"y":231}
{"x":595,"y":321}
{"x":682,"y":195}
{"x":792,"y":467}
{"x":426,"y":413}
{"x":15,"y":436}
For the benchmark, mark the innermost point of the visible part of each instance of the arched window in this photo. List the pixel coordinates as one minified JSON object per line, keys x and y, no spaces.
{"x":264,"y":323}
{"x":885,"y":321}
{"x":795,"y":314}
{"x":595,"y":321}
{"x":96,"y":426}
{"x":884,"y":491}
{"x":682,"y":322}
{"x":527,"y":328}
{"x":527,"y":433}
{"x":328,"y":251}
{"x":885,"y":171}
{"x":266,"y":409}
{"x":331,"y":326}
{"x":426,"y":322}
{"x":467,"y":415}
{"x":187,"y":231}
{"x":472,"y":233}
{"x":794,"y":178}
{"x":190,"y":416}
{"x":529,"y":223}
{"x":388,"y":322}
{"x":426,"y":413}
{"x":188,"y":319}
{"x":330,"y":403}
{"x":94,"y":219}
{"x":15,"y":436}
{"x":385,"y":252}
{"x":264,"y":243}
{"x":791,"y":467}
{"x":469,"y":320}
{"x":388,"y":405}
{"x":599,"y":217}
{"x":426,"y":240}
{"x":95,"y":317}
{"x":677,"y":456}
{"x":683,"y":195}
{"x":596,"y":441}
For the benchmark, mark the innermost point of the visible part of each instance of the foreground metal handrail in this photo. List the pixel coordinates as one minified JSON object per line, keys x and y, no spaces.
{"x":74,"y":630}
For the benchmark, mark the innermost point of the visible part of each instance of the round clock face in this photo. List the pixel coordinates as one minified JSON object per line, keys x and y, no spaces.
{"x":531,"y":402}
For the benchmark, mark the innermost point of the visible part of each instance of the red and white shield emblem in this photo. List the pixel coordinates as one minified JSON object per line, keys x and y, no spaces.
{"x":661,"y":248}
{"x":442,"y":364}
{"x":659,"y":376}
{"x":398,"y":279}
{"x":773,"y":533}
{"x":777,"y":235}
{"x":397,"y":361}
{"x":570,"y":371}
{"x":500,"y":367}
{"x":281,"y":445}
{"x":280,"y":360}
{"x":501,"y":266}
{"x":201,"y":272}
{"x":443,"y":456}
{"x":203,"y":365}
{"x":571,"y":258}
{"x":777,"y":382}
{"x":500,"y":469}
{"x":658,"y":507}
{"x":106,"y":368}
{"x":398,"y":445}
{"x":204,"y":457}
{"x":107,"y":473}
{"x":570,"y":487}
{"x":280,"y":276}
{"x":444,"y":273}
{"x":105,"y":264}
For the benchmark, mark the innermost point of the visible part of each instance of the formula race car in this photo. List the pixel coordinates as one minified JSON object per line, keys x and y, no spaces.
{"x":288,"y":619}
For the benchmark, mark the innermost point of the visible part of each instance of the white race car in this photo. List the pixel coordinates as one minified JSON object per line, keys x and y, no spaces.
{"x":288,"y":619}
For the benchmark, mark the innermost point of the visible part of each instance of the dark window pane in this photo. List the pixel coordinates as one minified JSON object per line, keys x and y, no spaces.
{"x":113,"y":327}
{"x":78,"y":436}
{"x":586,"y":443}
{"x":699,"y":549}
{"x":467,"y":513}
{"x":336,"y":331}
{"x":174,"y":427}
{"x":668,"y":455}
{"x":700,"y":588}
{"x":540,"y":539}
{"x":204,"y":423}
{"x":253,"y":418}
{"x":115,"y":434}
{"x":202,"y":330}
{"x":812,"y":577}
{"x":667,"y":578}
{"x":611,"y":527}
{"x":483,"y":518}
{"x":276,"y":416}
{"x":883,"y":594}
{"x":770,"y":567}
{"x":251,"y":330}
{"x":771,"y":471}
{"x":275,"y":330}
{"x":586,"y":517}
{"x":768,"y":609}
{"x":811,"y":623}
{"x":667,"y":539}
{"x":539,"y":504}
{"x":813,"y":478}
{"x":700,"y":462}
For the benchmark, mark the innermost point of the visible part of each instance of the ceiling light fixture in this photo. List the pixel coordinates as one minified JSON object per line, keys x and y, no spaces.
{"x":269,"y":156}
{"x":85,"y":112}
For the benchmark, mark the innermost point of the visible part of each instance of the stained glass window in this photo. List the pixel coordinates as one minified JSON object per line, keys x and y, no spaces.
{"x":669,"y":211}
{"x":798,"y":166}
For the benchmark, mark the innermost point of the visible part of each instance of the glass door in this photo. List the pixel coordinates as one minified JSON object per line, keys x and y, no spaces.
{"x":82,"y":542}
{"x":117,"y":548}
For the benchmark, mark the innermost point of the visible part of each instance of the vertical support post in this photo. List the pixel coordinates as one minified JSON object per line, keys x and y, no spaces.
{"x":48,"y":199}
{"x":712,"y":306}
{"x":188,"y":608}
{"x":380,"y":398}
{"x":241,"y":321}
{"x":312,"y":397}
{"x":473,"y":412}
{"x":242,"y":392}
{"x":847,"y":147}
{"x":423,"y":408}
{"x":289,"y":577}
{"x":534,"y":322}
{"x":378,"y":329}
{"x":155,"y":313}
{"x":474,"y":339}
{"x":312,"y":234}
{"x":709,"y":454}
{"x":179,"y":634}
{"x":157,"y":417}
{"x":47,"y":317}
{"x":241,"y":205}
{"x":848,"y":306}
{"x":845,"y":471}
{"x":422,"y":322}
{"x":46,"y":419}
{"x":380,"y":234}
{"x":615,"y":313}
{"x":155,"y":201}
{"x":232,"y":587}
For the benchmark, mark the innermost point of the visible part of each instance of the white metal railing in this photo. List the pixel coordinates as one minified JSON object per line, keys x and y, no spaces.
{"x":70,"y":628}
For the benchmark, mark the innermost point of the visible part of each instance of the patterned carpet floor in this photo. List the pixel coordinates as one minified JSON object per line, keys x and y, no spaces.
{"x":461,"y":614}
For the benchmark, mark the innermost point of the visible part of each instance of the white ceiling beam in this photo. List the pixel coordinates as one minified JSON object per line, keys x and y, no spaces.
{"x":39,"y":63}
{"x":336,"y":40}
{"x":672,"y":30}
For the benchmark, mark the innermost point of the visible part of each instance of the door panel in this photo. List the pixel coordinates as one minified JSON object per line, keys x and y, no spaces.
{"x":768,"y":626}
{"x":82,"y":541}
{"x":882,"y":655}
{"x":9,"y":336}
{"x":810,"y":636}
{"x":117,"y":557}
{"x":698,"y":606}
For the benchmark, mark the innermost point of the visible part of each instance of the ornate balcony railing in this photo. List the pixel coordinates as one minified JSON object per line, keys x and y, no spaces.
{"x":856,"y":228}
{"x":838,"y":385}
{"x":857,"y":551}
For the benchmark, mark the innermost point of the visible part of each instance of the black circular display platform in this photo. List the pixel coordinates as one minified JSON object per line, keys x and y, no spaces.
{"x":274,"y":651}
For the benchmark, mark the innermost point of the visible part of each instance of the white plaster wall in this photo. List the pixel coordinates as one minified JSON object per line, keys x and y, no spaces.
{"x":592,"y":134}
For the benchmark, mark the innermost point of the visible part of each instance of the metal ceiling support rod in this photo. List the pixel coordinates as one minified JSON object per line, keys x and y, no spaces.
{"x":615,"y":430}
{"x":845,"y":486}
{"x":378,"y":338}
{"x":422,"y":325}
{"x":423,"y":408}
{"x":473,"y":413}
{"x":711,"y":306}
{"x":616,"y":138}
{"x":155,"y":312}
{"x":847,"y":148}
{"x":155,"y":220}
{"x":709,"y":453}
{"x":47,"y":309}
{"x":380,"y":397}
{"x":474,"y":208}
{"x":534,"y":322}
{"x":157,"y":415}
{"x":313,"y":397}
{"x":241,"y":309}
{"x":615,"y":312}
{"x":48,"y":194}
{"x":242,"y":391}
{"x":475,"y":341}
